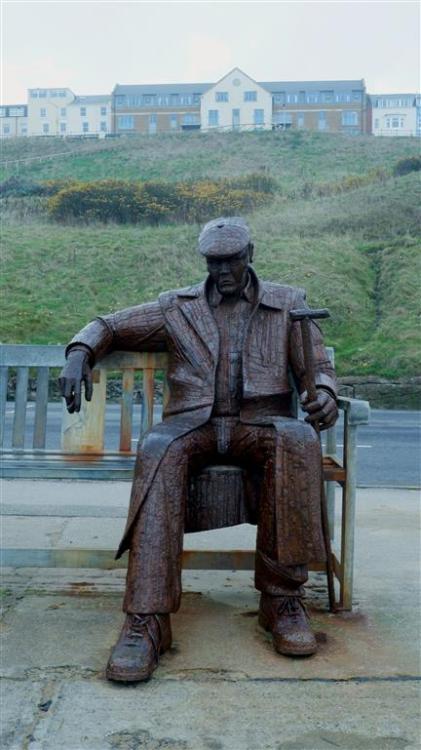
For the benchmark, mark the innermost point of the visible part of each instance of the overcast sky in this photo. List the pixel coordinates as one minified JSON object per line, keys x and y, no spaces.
{"x":91,"y":45}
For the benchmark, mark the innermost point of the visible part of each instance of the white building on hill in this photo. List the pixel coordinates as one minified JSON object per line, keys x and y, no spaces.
{"x":13,"y":121}
{"x":61,"y":112}
{"x":394,"y":114}
{"x":236,"y":102}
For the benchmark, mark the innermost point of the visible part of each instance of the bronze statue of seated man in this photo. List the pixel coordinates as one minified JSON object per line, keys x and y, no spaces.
{"x":231,"y":346}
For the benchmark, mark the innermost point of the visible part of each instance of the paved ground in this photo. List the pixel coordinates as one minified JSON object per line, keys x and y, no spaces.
{"x":221,"y":687}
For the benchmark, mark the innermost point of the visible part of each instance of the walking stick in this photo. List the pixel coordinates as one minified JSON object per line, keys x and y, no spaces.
{"x":304,"y":316}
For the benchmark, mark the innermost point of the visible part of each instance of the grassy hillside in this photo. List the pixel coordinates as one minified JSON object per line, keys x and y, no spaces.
{"x":355,"y":252}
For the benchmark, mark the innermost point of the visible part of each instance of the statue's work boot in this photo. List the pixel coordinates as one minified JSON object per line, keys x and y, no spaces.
{"x":136,"y":654}
{"x":287,"y":619}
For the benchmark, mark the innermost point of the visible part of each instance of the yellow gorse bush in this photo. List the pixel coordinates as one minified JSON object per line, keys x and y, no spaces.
{"x":157,"y":202}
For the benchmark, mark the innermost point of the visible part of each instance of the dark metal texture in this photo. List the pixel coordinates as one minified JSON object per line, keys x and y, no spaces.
{"x":230,"y":344}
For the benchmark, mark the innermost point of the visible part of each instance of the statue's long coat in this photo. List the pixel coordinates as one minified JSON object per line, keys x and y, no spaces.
{"x":182,"y":323}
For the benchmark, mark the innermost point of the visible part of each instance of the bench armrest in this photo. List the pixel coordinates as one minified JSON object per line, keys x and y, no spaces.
{"x":356,"y":411}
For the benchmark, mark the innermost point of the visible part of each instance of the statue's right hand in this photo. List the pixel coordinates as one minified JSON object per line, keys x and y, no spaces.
{"x":75,"y":372}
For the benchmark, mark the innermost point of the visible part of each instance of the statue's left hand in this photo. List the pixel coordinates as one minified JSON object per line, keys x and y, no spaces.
{"x":323,"y":412}
{"x":75,"y":372}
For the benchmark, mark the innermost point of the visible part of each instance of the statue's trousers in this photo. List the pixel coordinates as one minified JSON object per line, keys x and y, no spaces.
{"x":284,"y":501}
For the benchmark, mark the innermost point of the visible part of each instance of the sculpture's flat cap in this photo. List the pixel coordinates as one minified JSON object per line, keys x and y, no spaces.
{"x":225,"y":236}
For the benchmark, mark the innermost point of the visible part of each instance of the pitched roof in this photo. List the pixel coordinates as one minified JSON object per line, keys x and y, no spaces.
{"x":273,"y":86}
{"x":161,"y":88}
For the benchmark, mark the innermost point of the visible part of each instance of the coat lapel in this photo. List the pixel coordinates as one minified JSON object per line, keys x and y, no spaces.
{"x":196,"y":310}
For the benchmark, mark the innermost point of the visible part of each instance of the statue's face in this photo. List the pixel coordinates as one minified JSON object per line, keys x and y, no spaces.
{"x":230,"y":272}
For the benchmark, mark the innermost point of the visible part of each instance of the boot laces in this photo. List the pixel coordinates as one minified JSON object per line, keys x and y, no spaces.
{"x":138,"y":626}
{"x":292,"y":606}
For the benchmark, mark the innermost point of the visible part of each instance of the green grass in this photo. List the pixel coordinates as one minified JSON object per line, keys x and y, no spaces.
{"x":356,"y":253}
{"x":292,"y":157}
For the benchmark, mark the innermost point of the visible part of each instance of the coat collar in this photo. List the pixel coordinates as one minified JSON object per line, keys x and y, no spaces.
{"x":267,"y":293}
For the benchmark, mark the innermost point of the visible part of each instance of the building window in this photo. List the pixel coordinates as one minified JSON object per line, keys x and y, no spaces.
{"x":16,"y":112}
{"x":83,"y":111}
{"x":312,"y":98}
{"x":43,"y":112}
{"x":300,"y":119}
{"x":42,"y":93}
{"x":221,"y":96}
{"x":397,"y":122}
{"x":356,"y":96}
{"x":62,"y":94}
{"x":153,"y":121}
{"x":119,"y":101}
{"x":173,"y":122}
{"x":63,"y":112}
{"x":24,"y":130}
{"x":125,"y":122}
{"x":349,"y":118}
{"x":62,"y":127}
{"x":259,"y":117}
{"x":148,"y":99}
{"x":103,"y":111}
{"x":292,"y":98}
{"x":196,"y":98}
{"x":342,"y":97}
{"x":45,"y":128}
{"x":34,"y":94}
{"x":250,"y":96}
{"x":2,"y":111}
{"x":103,"y":127}
{"x":85,"y":127}
{"x":326,"y":97}
{"x":322,"y":123}
{"x":191,"y":118}
{"x":235,"y":119}
{"x":6,"y":129}
{"x":282,"y":120}
{"x":213,"y":117}
{"x":279,"y":97}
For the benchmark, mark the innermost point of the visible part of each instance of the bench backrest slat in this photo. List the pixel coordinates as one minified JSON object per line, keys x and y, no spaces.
{"x":126,"y":417}
{"x":18,"y":435}
{"x":41,"y":406}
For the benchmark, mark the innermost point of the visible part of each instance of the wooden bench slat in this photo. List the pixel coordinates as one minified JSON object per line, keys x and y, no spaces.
{"x":41,"y":405}
{"x":147,"y":404}
{"x":18,"y":435}
{"x":126,"y":417}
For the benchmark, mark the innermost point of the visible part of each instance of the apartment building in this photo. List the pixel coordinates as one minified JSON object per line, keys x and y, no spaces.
{"x":237,"y":101}
{"x":334,"y":106}
{"x":61,"y":112}
{"x":157,"y":108}
{"x":13,"y":121}
{"x":394,"y":114}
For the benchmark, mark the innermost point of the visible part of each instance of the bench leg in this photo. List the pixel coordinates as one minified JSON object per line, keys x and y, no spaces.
{"x":348,"y":517}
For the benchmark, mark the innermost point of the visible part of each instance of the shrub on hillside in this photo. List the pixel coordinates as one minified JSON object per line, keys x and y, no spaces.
{"x":18,"y":187}
{"x":22,"y":187}
{"x":405,"y":166}
{"x":154,"y":202}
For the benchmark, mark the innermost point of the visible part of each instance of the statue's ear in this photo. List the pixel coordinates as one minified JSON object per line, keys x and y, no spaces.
{"x":251,"y":250}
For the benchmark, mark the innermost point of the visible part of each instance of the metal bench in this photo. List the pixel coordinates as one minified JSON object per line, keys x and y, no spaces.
{"x":82,"y":455}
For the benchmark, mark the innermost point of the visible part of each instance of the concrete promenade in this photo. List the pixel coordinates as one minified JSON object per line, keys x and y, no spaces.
{"x":221,"y":687}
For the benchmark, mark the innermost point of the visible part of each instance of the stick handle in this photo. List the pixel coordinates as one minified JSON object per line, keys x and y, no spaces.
{"x":308,"y":359}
